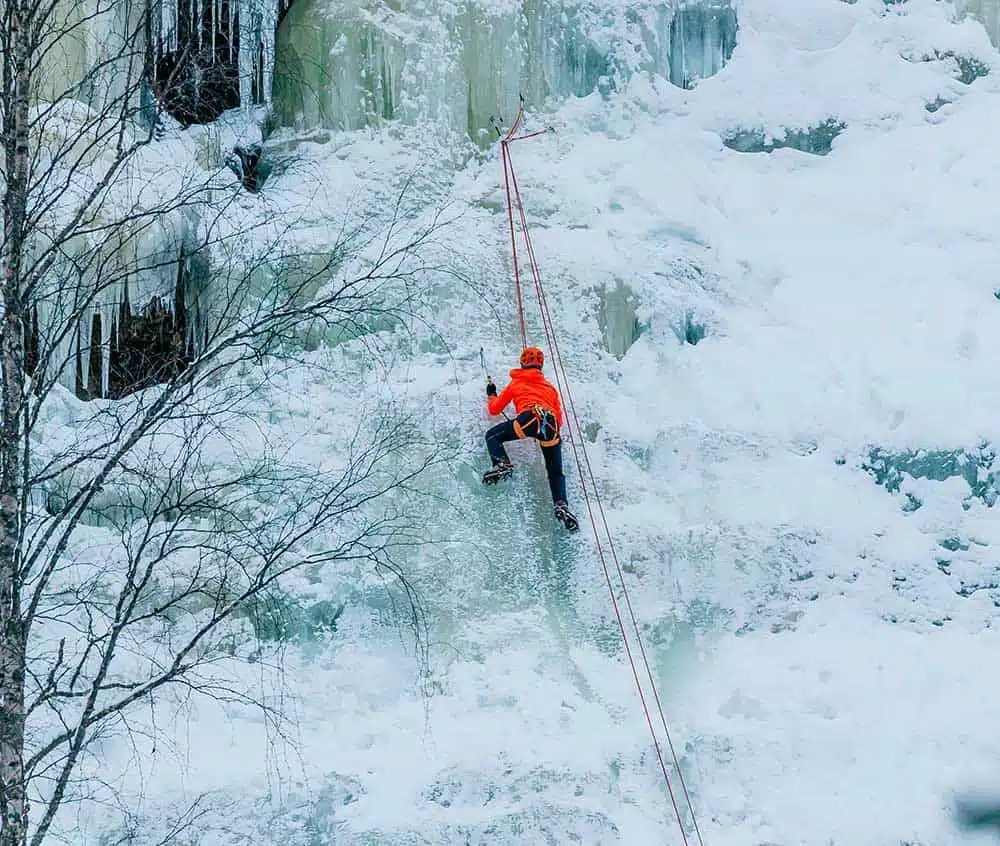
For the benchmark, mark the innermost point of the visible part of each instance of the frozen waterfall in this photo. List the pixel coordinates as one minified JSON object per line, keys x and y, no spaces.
{"x":352,"y":63}
{"x":94,"y":54}
{"x":345,"y":64}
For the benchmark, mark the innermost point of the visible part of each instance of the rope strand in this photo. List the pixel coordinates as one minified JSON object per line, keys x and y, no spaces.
{"x":588,"y":485}
{"x":507,"y":174}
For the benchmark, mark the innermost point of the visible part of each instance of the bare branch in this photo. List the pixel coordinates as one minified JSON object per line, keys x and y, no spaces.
{"x":142,"y":536}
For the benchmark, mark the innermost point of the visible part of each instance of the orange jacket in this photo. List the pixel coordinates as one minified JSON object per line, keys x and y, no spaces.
{"x":527,"y":388}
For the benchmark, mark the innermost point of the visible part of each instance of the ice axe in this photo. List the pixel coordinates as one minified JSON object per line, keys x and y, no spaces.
{"x":486,"y":375}
{"x":482,"y":361}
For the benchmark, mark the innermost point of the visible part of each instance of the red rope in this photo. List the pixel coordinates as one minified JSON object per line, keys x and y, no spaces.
{"x":507,"y":175}
{"x":582,"y":459}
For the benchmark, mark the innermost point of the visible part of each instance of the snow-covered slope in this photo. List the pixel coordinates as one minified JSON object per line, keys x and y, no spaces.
{"x":787,"y":363}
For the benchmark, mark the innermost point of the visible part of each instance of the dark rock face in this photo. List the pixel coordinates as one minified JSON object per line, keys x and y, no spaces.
{"x":197,"y":76}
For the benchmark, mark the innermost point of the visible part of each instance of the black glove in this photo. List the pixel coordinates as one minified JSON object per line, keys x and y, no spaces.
{"x":491,"y":389}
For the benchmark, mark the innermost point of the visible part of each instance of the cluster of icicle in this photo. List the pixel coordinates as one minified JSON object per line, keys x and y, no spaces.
{"x":142,"y":266}
{"x":256,"y":20}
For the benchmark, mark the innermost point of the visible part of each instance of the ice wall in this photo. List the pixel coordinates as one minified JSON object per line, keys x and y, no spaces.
{"x":123,"y":254}
{"x":352,"y":63}
{"x":94,"y":53}
{"x":97,"y":50}
{"x":986,"y":11}
{"x":345,"y":64}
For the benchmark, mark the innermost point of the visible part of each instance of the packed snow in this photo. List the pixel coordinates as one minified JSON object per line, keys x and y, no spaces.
{"x":786,"y":366}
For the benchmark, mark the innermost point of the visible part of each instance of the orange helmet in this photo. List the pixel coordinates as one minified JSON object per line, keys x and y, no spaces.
{"x":532,"y":357}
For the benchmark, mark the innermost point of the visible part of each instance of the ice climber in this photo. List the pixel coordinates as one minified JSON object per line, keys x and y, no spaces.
{"x":538,"y":415}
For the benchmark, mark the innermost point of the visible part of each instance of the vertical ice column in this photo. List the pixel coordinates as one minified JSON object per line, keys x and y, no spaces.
{"x":560,"y":56}
{"x":985,"y":11}
{"x":247,"y":51}
{"x":268,"y":27}
{"x":166,"y":27}
{"x":491,"y":63}
{"x":231,"y":12}
{"x":258,"y":20}
{"x":702,"y":39}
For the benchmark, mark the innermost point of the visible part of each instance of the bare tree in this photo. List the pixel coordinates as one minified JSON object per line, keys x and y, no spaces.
{"x":134,"y":545}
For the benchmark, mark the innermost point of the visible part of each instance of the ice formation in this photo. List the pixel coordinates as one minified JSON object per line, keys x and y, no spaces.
{"x":131,"y":269}
{"x":986,"y":11}
{"x":94,"y":52}
{"x":255,"y":22}
{"x":817,"y":140}
{"x":101,"y":47}
{"x":345,"y":65}
{"x":702,"y":38}
{"x":122,"y":256}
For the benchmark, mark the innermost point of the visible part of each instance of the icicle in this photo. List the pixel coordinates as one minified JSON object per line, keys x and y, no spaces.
{"x":61,"y":284}
{"x":268,"y":27}
{"x":154,"y":26}
{"x":231,"y":8}
{"x":245,"y":60}
{"x":215,"y":24}
{"x":197,"y":20}
{"x":107,"y":315}
{"x":84,"y":335}
{"x":168,"y":25}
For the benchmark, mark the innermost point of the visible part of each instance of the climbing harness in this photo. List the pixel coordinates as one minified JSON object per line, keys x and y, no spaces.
{"x":546,"y":431}
{"x":608,"y":556}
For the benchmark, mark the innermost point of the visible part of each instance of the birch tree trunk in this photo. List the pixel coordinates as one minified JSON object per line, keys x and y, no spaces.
{"x":16,"y":91}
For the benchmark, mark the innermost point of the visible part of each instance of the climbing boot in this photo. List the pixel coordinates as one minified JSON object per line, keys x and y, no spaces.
{"x":501,"y":470}
{"x":566,"y":517}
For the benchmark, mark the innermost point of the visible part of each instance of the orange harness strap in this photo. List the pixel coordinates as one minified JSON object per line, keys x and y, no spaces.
{"x":538,"y":413}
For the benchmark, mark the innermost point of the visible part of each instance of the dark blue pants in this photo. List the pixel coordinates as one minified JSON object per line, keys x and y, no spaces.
{"x":500,"y":434}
